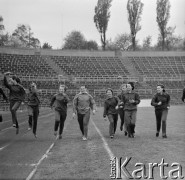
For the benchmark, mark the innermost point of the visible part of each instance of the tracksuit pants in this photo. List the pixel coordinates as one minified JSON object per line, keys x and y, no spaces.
{"x":122,"y":118}
{"x":130,"y":121}
{"x":14,"y":106}
{"x":113,"y":119}
{"x":161,"y":116}
{"x":33,"y":113}
{"x":83,"y":120}
{"x":60,"y":118}
{"x":1,"y":118}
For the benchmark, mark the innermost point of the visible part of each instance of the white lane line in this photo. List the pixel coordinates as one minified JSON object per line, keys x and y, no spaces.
{"x":39,"y":162}
{"x":106,"y":146}
{"x":43,"y":157}
{"x":4,"y":147}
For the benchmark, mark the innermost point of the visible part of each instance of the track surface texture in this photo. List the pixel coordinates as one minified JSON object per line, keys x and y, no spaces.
{"x":23,"y":156}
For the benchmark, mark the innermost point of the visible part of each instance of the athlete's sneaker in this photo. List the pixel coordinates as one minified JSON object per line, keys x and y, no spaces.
{"x":14,"y":125}
{"x":84,"y":138}
{"x":55,"y":133}
{"x":35,"y":135}
{"x":112,"y":137}
{"x":164,"y":136}
{"x":17,"y":131}
{"x":157,"y":134}
{"x":29,"y":128}
{"x":121,"y":128}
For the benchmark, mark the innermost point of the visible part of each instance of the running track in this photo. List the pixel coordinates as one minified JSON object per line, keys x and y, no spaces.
{"x":24,"y":157}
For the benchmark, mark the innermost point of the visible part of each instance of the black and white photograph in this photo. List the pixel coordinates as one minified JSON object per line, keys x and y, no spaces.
{"x":92,"y":89}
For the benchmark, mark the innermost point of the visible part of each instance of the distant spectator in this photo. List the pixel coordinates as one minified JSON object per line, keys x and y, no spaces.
{"x":16,"y":96}
{"x":111,"y":111}
{"x":161,"y":102}
{"x":183,"y":95}
{"x":6,"y":99}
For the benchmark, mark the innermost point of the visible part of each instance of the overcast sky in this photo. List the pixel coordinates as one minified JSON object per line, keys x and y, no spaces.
{"x":52,"y":20}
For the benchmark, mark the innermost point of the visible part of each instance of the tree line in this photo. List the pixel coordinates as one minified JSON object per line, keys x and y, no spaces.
{"x":167,"y":40}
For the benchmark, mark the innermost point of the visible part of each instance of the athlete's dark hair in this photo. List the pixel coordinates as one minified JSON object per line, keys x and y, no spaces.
{"x":162,"y":86}
{"x":109,"y":89}
{"x":63,"y":85}
{"x":16,"y":79}
{"x":132,"y":85}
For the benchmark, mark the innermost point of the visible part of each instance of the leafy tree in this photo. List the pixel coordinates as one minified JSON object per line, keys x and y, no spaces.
{"x":74,"y":40}
{"x":101,"y":18}
{"x":23,"y":37}
{"x":46,"y":46}
{"x":123,"y":42}
{"x":3,"y":38}
{"x":134,"y":8}
{"x":172,"y":41}
{"x":183,"y":44}
{"x":91,"y":45}
{"x":147,"y":43}
{"x":110,"y":45}
{"x":163,"y":15}
{"x":1,"y":24}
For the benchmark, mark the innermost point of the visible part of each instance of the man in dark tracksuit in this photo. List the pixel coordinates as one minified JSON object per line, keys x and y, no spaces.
{"x":82,"y":104}
{"x":60,"y":101}
{"x":33,"y":108}
{"x":16,"y":96}
{"x":161,"y":102}
{"x":131,"y":99}
{"x":6,"y":99}
{"x":111,"y":111}
{"x":183,"y":95}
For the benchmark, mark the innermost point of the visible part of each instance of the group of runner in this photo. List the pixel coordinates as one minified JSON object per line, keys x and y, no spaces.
{"x":125,"y":104}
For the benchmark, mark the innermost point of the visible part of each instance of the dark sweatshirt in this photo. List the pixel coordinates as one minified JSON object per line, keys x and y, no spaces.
{"x":17,"y":92}
{"x":33,"y":99}
{"x":110,"y":105}
{"x":131,"y":96}
{"x":60,"y":102}
{"x":164,"y":98}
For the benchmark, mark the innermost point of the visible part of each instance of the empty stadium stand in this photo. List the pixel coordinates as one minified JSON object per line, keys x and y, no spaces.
{"x":159,"y":66}
{"x":25,"y":65}
{"x":96,"y":70}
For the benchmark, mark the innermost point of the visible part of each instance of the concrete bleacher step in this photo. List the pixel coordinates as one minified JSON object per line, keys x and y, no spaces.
{"x":130,"y":67}
{"x":52,"y":64}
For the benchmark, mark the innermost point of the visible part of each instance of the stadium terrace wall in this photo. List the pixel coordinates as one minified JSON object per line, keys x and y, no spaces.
{"x":59,"y":52}
{"x":24,"y":51}
{"x":151,"y":53}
